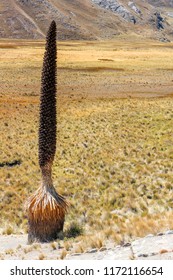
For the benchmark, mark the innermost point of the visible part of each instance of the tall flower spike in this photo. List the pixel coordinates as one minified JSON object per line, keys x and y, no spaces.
{"x":47,"y":126}
{"x":46,"y":208}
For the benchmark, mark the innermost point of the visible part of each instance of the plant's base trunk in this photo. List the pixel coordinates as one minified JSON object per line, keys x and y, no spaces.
{"x":45,"y":231}
{"x":46,"y":215}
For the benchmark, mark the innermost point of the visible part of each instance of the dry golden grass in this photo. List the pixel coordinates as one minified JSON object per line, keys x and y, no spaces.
{"x":114,"y":144}
{"x":41,"y":257}
{"x":63,"y":254}
{"x":53,"y":245}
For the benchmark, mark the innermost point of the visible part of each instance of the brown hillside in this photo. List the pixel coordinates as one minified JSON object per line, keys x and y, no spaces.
{"x":86,"y":19}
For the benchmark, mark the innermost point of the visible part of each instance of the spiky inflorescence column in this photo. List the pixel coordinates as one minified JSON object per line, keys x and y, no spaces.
{"x":46,"y":208}
{"x":47,"y":128}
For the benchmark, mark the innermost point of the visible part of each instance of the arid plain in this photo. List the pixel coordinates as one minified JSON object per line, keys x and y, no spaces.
{"x":114,"y":160}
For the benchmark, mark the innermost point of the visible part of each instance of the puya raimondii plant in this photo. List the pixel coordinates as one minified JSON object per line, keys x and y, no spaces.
{"x":46,"y":208}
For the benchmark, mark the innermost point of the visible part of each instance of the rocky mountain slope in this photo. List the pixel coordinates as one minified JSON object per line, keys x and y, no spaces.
{"x":161,"y":3}
{"x":86,"y":19}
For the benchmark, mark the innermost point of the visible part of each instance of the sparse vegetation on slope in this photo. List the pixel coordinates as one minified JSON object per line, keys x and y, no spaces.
{"x":86,"y":20}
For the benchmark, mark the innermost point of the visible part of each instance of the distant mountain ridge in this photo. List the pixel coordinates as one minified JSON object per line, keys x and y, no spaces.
{"x":161,"y":3}
{"x":86,"y":19}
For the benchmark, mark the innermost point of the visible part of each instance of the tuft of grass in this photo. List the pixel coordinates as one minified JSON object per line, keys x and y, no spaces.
{"x":67,"y":245}
{"x":96,"y":243}
{"x":74,"y":230}
{"x":9,"y":252}
{"x":9,"y":230}
{"x":63,"y":254}
{"x":27,"y":249}
{"x":80,"y":248}
{"x":42,"y":256}
{"x":53,"y":245}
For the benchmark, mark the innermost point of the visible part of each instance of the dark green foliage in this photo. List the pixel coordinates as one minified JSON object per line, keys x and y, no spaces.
{"x":47,"y":128}
{"x":10,"y":163}
{"x":74,"y":230}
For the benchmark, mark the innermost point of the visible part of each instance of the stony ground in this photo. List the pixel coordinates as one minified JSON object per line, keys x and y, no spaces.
{"x":159,"y":247}
{"x":150,"y":247}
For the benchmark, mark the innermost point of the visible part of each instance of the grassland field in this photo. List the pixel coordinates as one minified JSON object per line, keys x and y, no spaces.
{"x":114,"y":160}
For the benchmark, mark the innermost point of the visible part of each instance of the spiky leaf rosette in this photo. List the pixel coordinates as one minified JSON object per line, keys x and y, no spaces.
{"x":47,"y":126}
{"x":46,"y":214}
